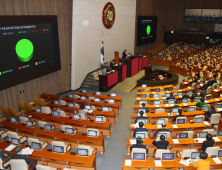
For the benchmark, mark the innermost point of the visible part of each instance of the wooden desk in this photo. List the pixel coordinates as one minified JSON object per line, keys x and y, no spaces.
{"x":98,"y":105}
{"x":81,"y":125}
{"x":69,"y":111}
{"x":153,"y":88}
{"x":181,"y":127}
{"x":108,"y":81}
{"x":118,"y":99}
{"x":56,"y":159}
{"x":179,"y":70}
{"x":49,"y":97}
{"x":159,"y":61}
{"x":172,"y":91}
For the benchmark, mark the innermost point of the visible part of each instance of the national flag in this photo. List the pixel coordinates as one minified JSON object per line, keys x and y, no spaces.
{"x":102,"y":53}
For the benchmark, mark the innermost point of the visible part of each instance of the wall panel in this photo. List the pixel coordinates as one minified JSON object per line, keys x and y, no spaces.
{"x":56,"y":82}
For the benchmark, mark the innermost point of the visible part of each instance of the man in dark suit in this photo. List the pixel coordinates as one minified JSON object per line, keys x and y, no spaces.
{"x":180,"y":111}
{"x":162,"y":130}
{"x":195,"y":80}
{"x":18,"y":150}
{"x":124,"y":54}
{"x":209,"y":83}
{"x":204,"y":85}
{"x":138,"y":144}
{"x":208,"y":143}
{"x":203,"y":93}
{"x":140,"y":129}
{"x":214,"y":81}
{"x":194,"y":95}
{"x":211,"y":111}
{"x":162,"y":143}
{"x":185,"y":96}
{"x":176,"y":106}
{"x":3,"y":157}
{"x":141,"y":116}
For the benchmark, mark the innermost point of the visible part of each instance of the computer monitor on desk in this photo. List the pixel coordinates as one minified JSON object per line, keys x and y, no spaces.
{"x":143,"y":95}
{"x":98,"y":93}
{"x":29,"y":123}
{"x":144,"y":111}
{"x":142,"y":135}
{"x":71,"y":105}
{"x":13,"y":120}
{"x":97,"y":100}
{"x":56,"y":102}
{"x":38,"y":110}
{"x":55,"y":113}
{"x":139,"y":156}
{"x":71,"y":96}
{"x":141,"y":102}
{"x":69,"y":130}
{"x":199,"y":120}
{"x":174,"y":110}
{"x":167,"y":94}
{"x":48,"y":127}
{"x":155,"y":95}
{"x":170,"y":88}
{"x":167,"y":156}
{"x":191,"y":108}
{"x":219,"y":105}
{"x":82,"y":152}
{"x":159,"y":134}
{"x":84,"y":91}
{"x":113,"y":94}
{"x":183,"y":135}
{"x":190,"y":93}
{"x":220,"y":153}
{"x":219,"y":133}
{"x":171,"y":101}
{"x":157,"y":89}
{"x":83,"y":97}
{"x":15,"y":141}
{"x":88,"y":107}
{"x":205,"y":107}
{"x":179,"y":93}
{"x":99,"y":119}
{"x":156,"y":102}
{"x":92,"y":133}
{"x":58,"y":149}
{"x":202,"y":134}
{"x":195,"y":155}
{"x":180,"y":121}
{"x":144,"y":85}
{"x":196,"y":99}
{"x":111,"y":101}
{"x":36,"y":145}
{"x":185,"y":101}
{"x":160,"y":121}
{"x":76,"y":117}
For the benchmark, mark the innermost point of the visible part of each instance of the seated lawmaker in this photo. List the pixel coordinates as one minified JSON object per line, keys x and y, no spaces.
{"x":202,"y":164}
{"x":185,"y":96}
{"x":201,"y":103}
{"x":207,"y":143}
{"x":171,"y":96}
{"x":162,"y":130}
{"x":180,"y":111}
{"x":141,"y":116}
{"x":203,"y":93}
{"x":82,"y":110}
{"x":138,"y":144}
{"x":139,"y":129}
{"x":143,"y":106}
{"x":211,"y":111}
{"x":193,"y":95}
{"x":197,"y":74}
{"x":161,"y":143}
{"x":176,"y":105}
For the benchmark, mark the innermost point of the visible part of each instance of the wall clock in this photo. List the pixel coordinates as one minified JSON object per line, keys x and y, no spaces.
{"x":108,"y":15}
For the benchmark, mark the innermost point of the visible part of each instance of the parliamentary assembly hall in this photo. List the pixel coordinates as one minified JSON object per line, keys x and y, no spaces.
{"x":110,"y":85}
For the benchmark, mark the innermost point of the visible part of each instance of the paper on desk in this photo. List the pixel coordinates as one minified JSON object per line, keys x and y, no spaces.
{"x":167,"y":91}
{"x":159,"y":126}
{"x":158,"y":162}
{"x":137,"y":98}
{"x":170,"y":114}
{"x":157,"y":105}
{"x":176,"y":141}
{"x":171,"y":104}
{"x":153,"y":92}
{"x":141,"y":106}
{"x":206,"y":101}
{"x":185,"y":104}
{"x":136,"y":125}
{"x":175,"y":126}
{"x":10,"y":147}
{"x":216,"y":99}
{"x":216,"y":90}
{"x":132,"y":141}
{"x":185,"y":162}
{"x":163,"y":97}
{"x":29,"y":115}
{"x":206,"y":123}
{"x":217,"y":160}
{"x":185,"y":82}
{"x":180,"y":96}
{"x":200,"y":140}
{"x":27,"y":151}
{"x":128,"y":162}
{"x":156,"y":98}
{"x":179,"y":90}
{"x":167,"y":105}
{"x":216,"y":139}
{"x":90,"y":111}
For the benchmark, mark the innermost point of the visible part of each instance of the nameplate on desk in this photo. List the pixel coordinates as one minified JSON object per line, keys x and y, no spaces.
{"x":179,"y":90}
{"x":216,"y":99}
{"x":175,"y":126}
{"x":185,"y":104}
{"x":185,"y":82}
{"x":138,"y":98}
{"x":163,"y":97}
{"x":10,"y":148}
{"x":216,"y":139}
{"x":176,"y":141}
{"x":153,"y":92}
{"x":157,"y":105}
{"x":206,"y":123}
{"x":167,"y":91}
{"x":171,"y":105}
{"x":199,"y":140}
{"x":206,"y":101}
{"x":156,"y":98}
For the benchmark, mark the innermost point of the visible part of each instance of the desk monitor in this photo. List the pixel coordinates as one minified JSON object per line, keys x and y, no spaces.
{"x":88,"y":107}
{"x":83,"y":97}
{"x":56,"y":102}
{"x":195,"y":155}
{"x":58,"y":149}
{"x":106,"y":109}
{"x":99,"y":119}
{"x":141,"y":102}
{"x":92,"y":133}
{"x":113,"y":94}
{"x":38,"y":110}
{"x":82,"y":152}
{"x":71,"y":96}
{"x":55,"y":113}
{"x":167,"y":94}
{"x":15,"y":141}
{"x":144,"y":85}
{"x":170,"y":88}
{"x":160,"y":121}
{"x":217,"y":95}
{"x":219,"y":105}
{"x":84,"y":91}
{"x":183,"y":135}
{"x":111,"y":101}
{"x":71,"y":105}
{"x":175,"y":110}
{"x":171,"y":101}
{"x":199,"y":120}
{"x":142,"y":120}
{"x":220,"y":153}
{"x":206,"y":107}
{"x":179,"y":94}
{"x":155,"y":95}
{"x":185,"y":101}
{"x":144,"y":111}
{"x":48,"y":127}
{"x":167,"y":156}
{"x":157,"y":89}
{"x":156,"y":102}
{"x":191,"y":108}
{"x":76,"y":117}
{"x":159,"y":134}
{"x":142,"y":135}
{"x":36,"y":145}
{"x":208,"y":97}
{"x":219,"y":133}
{"x":29,"y":123}
{"x":139,"y":156}
{"x":196,"y":99}
{"x":181,"y":87}
{"x":202,"y":134}
{"x":97,"y":100}
{"x":143,"y":95}
{"x":98,"y":93}
{"x":190,"y":93}
{"x":13,"y":120}
{"x":69,"y":130}
{"x":180,"y":121}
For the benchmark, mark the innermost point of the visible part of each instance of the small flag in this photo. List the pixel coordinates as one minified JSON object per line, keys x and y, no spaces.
{"x":102,"y":53}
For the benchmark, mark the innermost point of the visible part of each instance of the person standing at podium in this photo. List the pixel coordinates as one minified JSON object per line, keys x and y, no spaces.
{"x":124,"y":54}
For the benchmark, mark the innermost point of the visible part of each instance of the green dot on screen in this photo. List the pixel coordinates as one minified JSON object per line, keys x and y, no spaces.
{"x":148,"y":29}
{"x":24,"y":50}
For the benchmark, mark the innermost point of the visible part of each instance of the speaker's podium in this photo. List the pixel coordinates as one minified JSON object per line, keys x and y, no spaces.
{"x":116,"y":60}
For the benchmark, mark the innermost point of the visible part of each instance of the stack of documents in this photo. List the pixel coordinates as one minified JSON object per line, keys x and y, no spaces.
{"x":176,"y":141}
{"x":175,"y":126}
{"x":27,"y":151}
{"x":10,"y":148}
{"x":158,"y":162}
{"x":217,"y":160}
{"x":185,"y":162}
{"x":132,"y":141}
{"x":206,"y":123}
{"x":128,"y":162}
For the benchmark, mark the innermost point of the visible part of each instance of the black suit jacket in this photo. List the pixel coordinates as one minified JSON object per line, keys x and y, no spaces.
{"x":207,"y":143}
{"x":203,"y":94}
{"x":161,"y":144}
{"x":18,"y":156}
{"x":123,"y":55}
{"x":140,"y":117}
{"x":209,"y":83}
{"x":193,"y":96}
{"x":204,"y":86}
{"x":185,"y":97}
{"x":138,"y":146}
{"x":210,"y":112}
{"x":214,"y":81}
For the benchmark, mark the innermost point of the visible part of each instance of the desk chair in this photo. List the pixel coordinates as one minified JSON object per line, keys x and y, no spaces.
{"x":215,"y":118}
{"x":41,"y":124}
{"x":62,"y":102}
{"x":23,"y":120}
{"x":43,"y":167}
{"x":5,"y":163}
{"x":91,"y":98}
{"x":62,"y":113}
{"x":28,"y":106}
{"x":208,"y":97}
{"x":100,"y":72}
{"x":162,"y":94}
{"x":76,"y":105}
{"x":158,"y":153}
{"x":43,"y":144}
{"x":146,"y":90}
{"x":67,"y":148}
{"x":76,"y":96}
{"x":11,"y":135}
{"x":209,"y":90}
{"x":46,"y":110}
{"x":21,"y":106}
{"x":5,"y":111}
{"x":159,"y":110}
{"x":35,"y":101}
{"x":83,"y":117}
{"x":20,"y":164}
{"x":214,"y":86}
{"x":13,"y":113}
{"x":212,"y":150}
{"x":42,"y":102}
{"x":185,"y":153}
{"x":3,"y":135}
